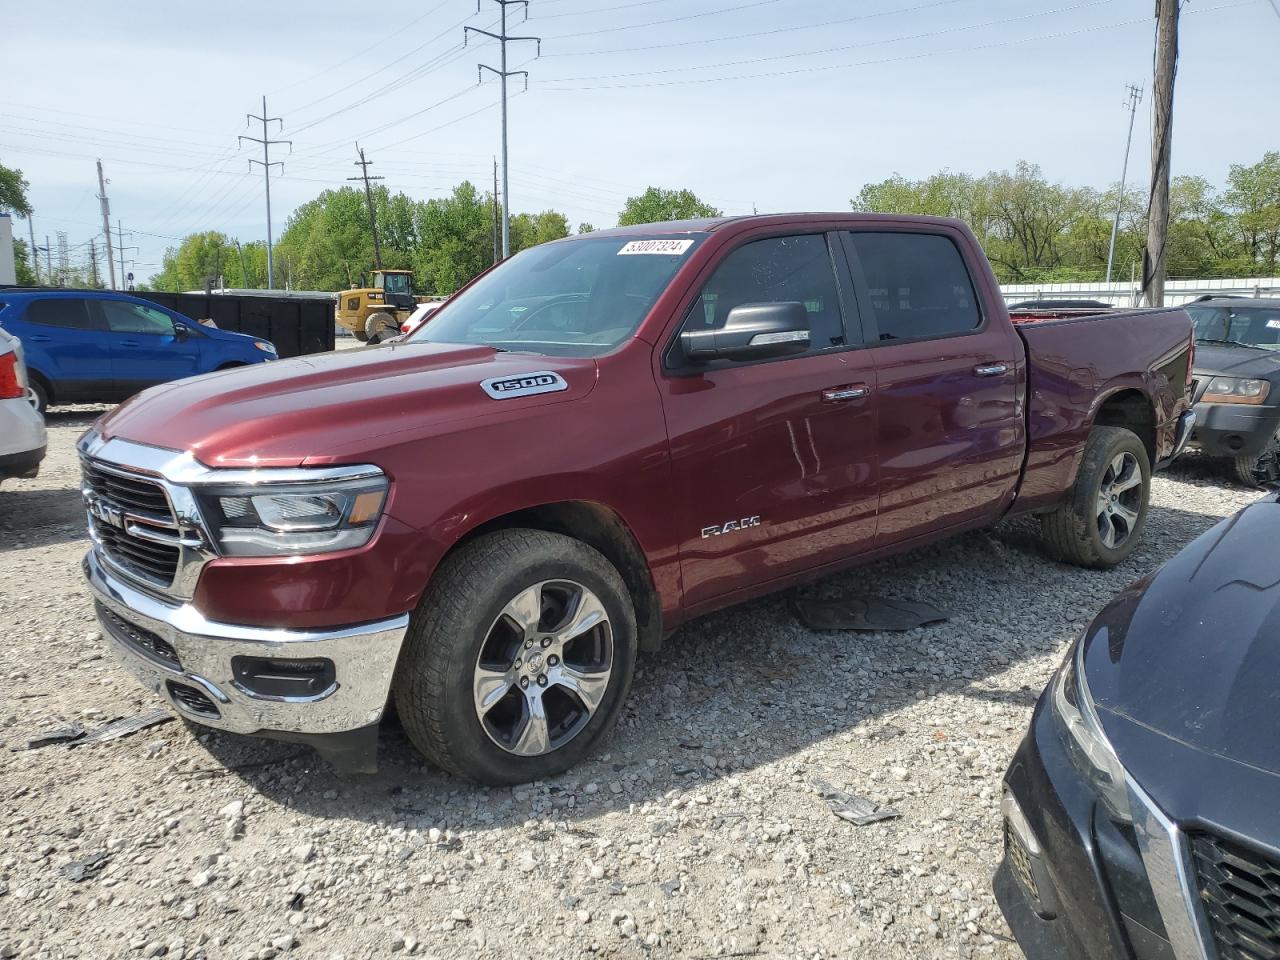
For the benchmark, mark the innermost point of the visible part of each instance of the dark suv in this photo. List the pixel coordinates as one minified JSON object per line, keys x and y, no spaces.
{"x":1237,"y":392}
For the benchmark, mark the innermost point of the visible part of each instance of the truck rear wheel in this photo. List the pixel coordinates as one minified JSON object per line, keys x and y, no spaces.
{"x":1102,"y":523}
{"x":518,"y":659}
{"x":360,"y":335}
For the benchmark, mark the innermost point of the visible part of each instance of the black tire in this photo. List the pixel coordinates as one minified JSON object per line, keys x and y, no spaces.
{"x":1074,"y":533}
{"x":1262,"y":468}
{"x":434,"y":685}
{"x":41,"y":394}
{"x":380,"y":326}
{"x":361,"y":335}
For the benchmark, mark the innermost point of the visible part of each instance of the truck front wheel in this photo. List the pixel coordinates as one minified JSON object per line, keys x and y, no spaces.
{"x":1102,"y":523}
{"x":518,"y":659}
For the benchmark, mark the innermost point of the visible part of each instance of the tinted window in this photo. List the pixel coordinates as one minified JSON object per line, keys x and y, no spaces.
{"x":770,"y":271}
{"x":917,"y":283}
{"x":123,"y":317}
{"x":59,"y":312}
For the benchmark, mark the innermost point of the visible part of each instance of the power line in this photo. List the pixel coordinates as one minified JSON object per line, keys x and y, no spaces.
{"x":503,"y":39}
{"x":266,"y":163}
{"x":1134,"y":98}
{"x":657,"y":23}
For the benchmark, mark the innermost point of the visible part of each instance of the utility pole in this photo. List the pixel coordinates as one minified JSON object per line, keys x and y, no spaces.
{"x":1155,"y":263}
{"x":266,"y":163}
{"x":503,"y":39}
{"x":93,"y":262}
{"x":363,"y":164}
{"x":35,"y":251}
{"x":494,"y":197}
{"x":120,"y":247}
{"x":106,"y":223}
{"x":244,"y":271}
{"x":48,"y":261}
{"x":1135,"y":98}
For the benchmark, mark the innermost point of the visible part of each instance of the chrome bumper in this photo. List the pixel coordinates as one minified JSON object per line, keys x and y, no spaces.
{"x":364,"y":658}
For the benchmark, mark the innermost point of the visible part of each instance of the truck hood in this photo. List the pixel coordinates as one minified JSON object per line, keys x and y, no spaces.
{"x":1191,"y":654}
{"x":1229,"y":361}
{"x":334,"y":407}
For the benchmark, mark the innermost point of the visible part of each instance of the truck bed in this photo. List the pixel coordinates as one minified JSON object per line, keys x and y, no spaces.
{"x":1077,"y":360}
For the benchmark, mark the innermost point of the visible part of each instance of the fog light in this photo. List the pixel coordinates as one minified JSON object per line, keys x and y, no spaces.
{"x":274,"y":679}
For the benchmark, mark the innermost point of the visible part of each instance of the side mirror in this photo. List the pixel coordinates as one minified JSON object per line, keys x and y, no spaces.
{"x":180,"y":332}
{"x":752,"y":331}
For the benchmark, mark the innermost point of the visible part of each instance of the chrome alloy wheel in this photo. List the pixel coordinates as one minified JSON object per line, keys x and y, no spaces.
{"x":1119,"y":500}
{"x":543,"y":668}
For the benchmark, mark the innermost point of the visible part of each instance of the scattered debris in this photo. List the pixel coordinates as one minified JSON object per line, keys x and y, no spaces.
{"x":67,"y":734}
{"x":856,"y":810}
{"x":126,"y":726}
{"x":867,"y":614}
{"x":86,"y":868}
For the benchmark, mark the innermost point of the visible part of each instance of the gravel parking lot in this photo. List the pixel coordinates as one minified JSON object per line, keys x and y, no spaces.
{"x":696,"y":833}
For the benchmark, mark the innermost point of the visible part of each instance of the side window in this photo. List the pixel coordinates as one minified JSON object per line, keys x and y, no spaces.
{"x":773,"y":270}
{"x":917,"y":284}
{"x":67,"y":312}
{"x":124,"y":317}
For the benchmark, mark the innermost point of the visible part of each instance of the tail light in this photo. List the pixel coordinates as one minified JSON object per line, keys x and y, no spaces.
{"x":10,"y":385}
{"x":1191,"y":361}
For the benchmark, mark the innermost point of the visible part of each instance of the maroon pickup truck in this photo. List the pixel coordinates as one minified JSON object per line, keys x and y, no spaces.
{"x":590,"y":444}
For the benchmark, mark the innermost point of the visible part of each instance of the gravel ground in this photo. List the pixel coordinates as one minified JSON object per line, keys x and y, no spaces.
{"x":694,"y":833}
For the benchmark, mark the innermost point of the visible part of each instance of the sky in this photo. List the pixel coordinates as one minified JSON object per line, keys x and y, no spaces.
{"x":769,"y":105}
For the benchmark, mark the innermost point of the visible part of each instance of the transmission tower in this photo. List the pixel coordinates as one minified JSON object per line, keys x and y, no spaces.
{"x":266,"y":163}
{"x":503,"y":39}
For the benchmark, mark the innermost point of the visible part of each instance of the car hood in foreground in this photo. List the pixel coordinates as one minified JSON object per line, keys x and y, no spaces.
{"x":1229,"y":361}
{"x":1184,"y":668}
{"x":334,"y":407}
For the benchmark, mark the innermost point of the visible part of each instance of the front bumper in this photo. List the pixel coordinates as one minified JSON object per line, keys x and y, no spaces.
{"x":1099,"y":888}
{"x":173,"y":650}
{"x":1234,"y":429}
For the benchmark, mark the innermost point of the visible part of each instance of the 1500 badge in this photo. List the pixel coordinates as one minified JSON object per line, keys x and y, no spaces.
{"x":732,"y":526}
{"x":524,"y":385}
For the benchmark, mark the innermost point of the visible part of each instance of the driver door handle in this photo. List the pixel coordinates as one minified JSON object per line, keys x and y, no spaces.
{"x":850,"y":391}
{"x":991,"y":369}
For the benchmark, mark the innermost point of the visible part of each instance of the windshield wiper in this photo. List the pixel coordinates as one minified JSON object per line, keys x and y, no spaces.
{"x":1233,"y":343}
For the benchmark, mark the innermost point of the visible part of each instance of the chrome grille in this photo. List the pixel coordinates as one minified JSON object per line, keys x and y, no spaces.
{"x":1240,"y":890}
{"x":130,"y":519}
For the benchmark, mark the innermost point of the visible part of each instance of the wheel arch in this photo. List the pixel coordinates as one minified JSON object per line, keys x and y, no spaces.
{"x":34,"y":376}
{"x":603,"y":529}
{"x":1130,"y":408}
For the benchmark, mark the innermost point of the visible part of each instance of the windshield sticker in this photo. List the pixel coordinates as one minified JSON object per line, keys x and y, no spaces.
{"x":662,"y":248}
{"x":1273,"y":324}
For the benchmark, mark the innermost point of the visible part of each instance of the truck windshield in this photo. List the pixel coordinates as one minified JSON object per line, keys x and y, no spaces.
{"x":577,"y":298}
{"x":394,"y":282}
{"x":1244,"y":326}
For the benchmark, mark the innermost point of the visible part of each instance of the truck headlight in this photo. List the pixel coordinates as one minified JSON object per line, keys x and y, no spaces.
{"x":270,"y":520}
{"x":1236,"y":390}
{"x":1090,"y":750}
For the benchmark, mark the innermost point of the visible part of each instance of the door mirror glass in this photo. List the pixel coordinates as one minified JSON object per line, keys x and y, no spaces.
{"x":752,"y":331}
{"x":180,"y":332}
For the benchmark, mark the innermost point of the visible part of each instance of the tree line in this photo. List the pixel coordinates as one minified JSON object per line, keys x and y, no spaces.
{"x":1035,"y":231}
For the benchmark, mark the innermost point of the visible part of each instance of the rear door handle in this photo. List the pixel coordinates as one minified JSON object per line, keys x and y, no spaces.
{"x":852,"y":391}
{"x":991,"y":369}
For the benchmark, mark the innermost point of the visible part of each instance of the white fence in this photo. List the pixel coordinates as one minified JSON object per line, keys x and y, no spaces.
{"x":1126,"y":294}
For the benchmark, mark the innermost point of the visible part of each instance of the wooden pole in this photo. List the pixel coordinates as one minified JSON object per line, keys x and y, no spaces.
{"x":1155,"y":264}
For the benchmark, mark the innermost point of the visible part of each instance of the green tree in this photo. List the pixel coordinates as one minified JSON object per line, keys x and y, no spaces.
{"x":586,"y":228}
{"x":531,"y":229}
{"x":657,"y":204}
{"x":22,"y":263}
{"x":13,"y":192}
{"x":1253,"y":197}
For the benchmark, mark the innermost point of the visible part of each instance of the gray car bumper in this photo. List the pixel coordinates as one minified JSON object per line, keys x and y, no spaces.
{"x":198,"y":665}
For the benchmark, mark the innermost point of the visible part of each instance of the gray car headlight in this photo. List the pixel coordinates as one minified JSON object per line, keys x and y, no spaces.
{"x":1085,"y":739}
{"x":269,"y":520}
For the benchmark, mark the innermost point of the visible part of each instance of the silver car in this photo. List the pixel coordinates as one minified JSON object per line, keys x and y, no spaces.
{"x":22,"y":434}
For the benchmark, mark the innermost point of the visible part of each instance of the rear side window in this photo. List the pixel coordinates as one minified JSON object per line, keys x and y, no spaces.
{"x":69,"y":312}
{"x":917,"y":284}
{"x":771,"y":271}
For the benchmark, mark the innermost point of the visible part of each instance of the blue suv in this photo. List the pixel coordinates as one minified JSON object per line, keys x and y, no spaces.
{"x":87,"y":346}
